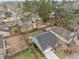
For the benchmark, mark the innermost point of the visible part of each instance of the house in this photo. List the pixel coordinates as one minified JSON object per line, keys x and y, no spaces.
{"x":30,"y":23}
{"x":46,"y":41}
{"x":37,"y":20}
{"x":4,"y":30}
{"x":26,"y":24}
{"x":76,"y":38}
{"x":2,"y":14}
{"x":75,"y":5}
{"x":62,"y":33}
{"x":71,"y":5}
{"x":12,"y":19}
{"x":74,"y":24}
{"x":2,"y":47}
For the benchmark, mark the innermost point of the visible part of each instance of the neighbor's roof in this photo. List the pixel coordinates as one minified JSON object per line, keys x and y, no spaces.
{"x":1,"y":12}
{"x":1,"y":41}
{"x":62,"y":32}
{"x":4,"y":27}
{"x":1,"y":56}
{"x":25,"y":21}
{"x":46,"y":40}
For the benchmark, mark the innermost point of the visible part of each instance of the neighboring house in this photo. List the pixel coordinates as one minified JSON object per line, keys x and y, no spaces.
{"x":46,"y":42}
{"x":26,"y":24}
{"x":74,"y":24}
{"x":4,"y":30}
{"x":65,"y":35}
{"x":62,"y":33}
{"x":69,"y":6}
{"x":37,"y":20}
{"x":2,"y":14}
{"x":76,"y":38}
{"x":31,"y":23}
{"x":2,"y":47}
{"x":11,"y":20}
{"x":75,"y":5}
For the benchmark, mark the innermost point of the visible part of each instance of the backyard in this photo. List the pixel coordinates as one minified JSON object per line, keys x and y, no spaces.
{"x":62,"y":50}
{"x":59,"y":53}
{"x":33,"y":53}
{"x":23,"y":55}
{"x":16,"y":44}
{"x":35,"y":50}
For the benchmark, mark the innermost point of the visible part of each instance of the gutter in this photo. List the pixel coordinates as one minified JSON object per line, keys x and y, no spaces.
{"x":63,"y":39}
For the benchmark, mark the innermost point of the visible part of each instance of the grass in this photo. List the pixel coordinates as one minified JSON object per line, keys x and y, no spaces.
{"x":23,"y":55}
{"x":38,"y":53}
{"x":59,"y":54}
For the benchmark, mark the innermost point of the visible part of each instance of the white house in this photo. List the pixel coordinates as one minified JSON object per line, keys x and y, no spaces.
{"x":62,"y":33}
{"x":45,"y":42}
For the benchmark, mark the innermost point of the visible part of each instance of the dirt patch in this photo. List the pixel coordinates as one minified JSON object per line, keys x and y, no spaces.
{"x":16,"y":44}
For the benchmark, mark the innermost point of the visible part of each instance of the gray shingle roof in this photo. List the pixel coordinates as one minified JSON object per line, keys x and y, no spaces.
{"x":4,"y":27}
{"x":62,"y":32}
{"x":1,"y":41}
{"x":47,"y":40}
{"x":1,"y":57}
{"x":25,"y":21}
{"x":1,"y":12}
{"x":4,"y":30}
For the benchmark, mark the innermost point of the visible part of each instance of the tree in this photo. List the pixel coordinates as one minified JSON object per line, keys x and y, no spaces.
{"x":27,"y":6}
{"x":30,"y":5}
{"x":44,"y":9}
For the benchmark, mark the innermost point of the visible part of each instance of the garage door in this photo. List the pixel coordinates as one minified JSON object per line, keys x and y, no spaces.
{"x":50,"y":55}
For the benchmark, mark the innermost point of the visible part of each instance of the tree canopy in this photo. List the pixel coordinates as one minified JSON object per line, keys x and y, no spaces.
{"x":27,"y":5}
{"x":44,"y":9}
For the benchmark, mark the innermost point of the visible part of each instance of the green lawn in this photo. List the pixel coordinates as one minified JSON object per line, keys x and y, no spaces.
{"x":23,"y":55}
{"x":38,"y":53}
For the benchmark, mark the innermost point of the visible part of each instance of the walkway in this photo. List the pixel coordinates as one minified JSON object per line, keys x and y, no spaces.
{"x":50,"y":55}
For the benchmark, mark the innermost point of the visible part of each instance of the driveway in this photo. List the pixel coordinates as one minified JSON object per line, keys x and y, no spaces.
{"x":50,"y":54}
